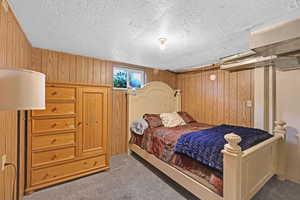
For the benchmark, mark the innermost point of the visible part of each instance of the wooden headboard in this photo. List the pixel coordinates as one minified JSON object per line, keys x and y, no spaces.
{"x":155,"y":98}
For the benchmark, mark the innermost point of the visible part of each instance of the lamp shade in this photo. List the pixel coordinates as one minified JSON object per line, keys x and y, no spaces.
{"x":21,"y":90}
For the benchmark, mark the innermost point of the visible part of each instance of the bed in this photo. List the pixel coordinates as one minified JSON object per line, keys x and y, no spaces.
{"x":244,"y":172}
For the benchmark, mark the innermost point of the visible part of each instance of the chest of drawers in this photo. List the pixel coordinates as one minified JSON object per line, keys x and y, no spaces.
{"x":69,"y":138}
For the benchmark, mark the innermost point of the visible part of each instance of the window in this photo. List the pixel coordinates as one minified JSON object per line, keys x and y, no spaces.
{"x":124,"y":78}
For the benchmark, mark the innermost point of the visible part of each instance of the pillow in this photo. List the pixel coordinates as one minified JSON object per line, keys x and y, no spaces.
{"x":139,"y":126}
{"x":186,"y":117}
{"x":153,"y":120}
{"x":171,"y":119}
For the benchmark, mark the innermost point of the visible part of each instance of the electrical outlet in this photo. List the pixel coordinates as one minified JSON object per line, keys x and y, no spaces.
{"x":3,"y":162}
{"x":249,"y":104}
{"x":5,"y":5}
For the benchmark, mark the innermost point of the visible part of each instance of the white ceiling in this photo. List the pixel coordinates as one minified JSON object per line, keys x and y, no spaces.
{"x":199,"y":32}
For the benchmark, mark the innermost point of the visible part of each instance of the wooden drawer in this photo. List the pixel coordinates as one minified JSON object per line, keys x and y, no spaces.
{"x":61,"y":171}
{"x":60,"y":93}
{"x":47,"y":157}
{"x":47,"y":141}
{"x":42,"y":125}
{"x":53,"y":109}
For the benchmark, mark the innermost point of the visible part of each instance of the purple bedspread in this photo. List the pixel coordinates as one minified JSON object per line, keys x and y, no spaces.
{"x":205,"y":145}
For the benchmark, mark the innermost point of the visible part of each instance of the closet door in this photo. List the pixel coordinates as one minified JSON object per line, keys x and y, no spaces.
{"x":92,"y":121}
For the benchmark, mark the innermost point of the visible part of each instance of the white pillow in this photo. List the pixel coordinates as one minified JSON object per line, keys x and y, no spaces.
{"x":171,"y":119}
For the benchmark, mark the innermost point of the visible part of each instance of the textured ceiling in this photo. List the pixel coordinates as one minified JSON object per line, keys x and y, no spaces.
{"x":198,"y":32}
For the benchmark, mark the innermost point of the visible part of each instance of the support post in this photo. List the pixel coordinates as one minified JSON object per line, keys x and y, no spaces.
{"x":280,"y":129}
{"x":232,"y":168}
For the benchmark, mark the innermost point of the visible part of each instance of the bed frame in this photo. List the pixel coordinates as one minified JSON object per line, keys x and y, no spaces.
{"x":245,"y":172}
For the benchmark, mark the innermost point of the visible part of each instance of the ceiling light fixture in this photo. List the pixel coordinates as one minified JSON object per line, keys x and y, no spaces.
{"x":163,"y":42}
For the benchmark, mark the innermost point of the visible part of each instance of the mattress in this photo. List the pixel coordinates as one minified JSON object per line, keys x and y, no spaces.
{"x":161,"y":142}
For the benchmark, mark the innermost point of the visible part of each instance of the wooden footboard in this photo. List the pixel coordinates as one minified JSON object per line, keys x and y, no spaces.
{"x":245,"y":172}
{"x":182,"y":179}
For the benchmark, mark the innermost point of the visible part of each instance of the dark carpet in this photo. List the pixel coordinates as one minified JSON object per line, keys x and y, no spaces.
{"x":131,"y":178}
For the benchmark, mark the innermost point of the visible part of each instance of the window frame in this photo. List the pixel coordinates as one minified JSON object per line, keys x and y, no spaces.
{"x":128,"y":70}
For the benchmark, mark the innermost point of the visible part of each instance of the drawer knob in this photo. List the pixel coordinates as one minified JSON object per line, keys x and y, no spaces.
{"x":46,"y":176}
{"x":53,"y":141}
{"x":95,"y":163}
{"x":54,"y":157}
{"x":84,"y":163}
{"x":54,"y":109}
{"x":54,"y":93}
{"x":79,"y":124}
{"x":54,"y":125}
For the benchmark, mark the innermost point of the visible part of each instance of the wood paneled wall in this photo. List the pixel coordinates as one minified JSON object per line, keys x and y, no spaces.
{"x":63,"y":67}
{"x":119,"y":132}
{"x":15,"y":52}
{"x":162,"y":75}
{"x":223,"y":100}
